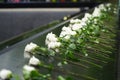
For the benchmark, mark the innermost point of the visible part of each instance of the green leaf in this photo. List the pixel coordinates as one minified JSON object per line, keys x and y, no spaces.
{"x":72,"y":46}
{"x":61,"y":78}
{"x":34,"y":74}
{"x":51,"y":52}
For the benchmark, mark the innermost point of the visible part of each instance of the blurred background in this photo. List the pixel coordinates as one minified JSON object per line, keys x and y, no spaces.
{"x":18,"y":1}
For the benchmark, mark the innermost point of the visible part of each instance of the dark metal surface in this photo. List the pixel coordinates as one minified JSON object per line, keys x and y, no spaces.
{"x":48,"y":5}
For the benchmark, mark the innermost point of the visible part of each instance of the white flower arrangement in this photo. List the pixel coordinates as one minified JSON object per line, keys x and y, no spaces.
{"x":34,"y":61}
{"x":5,"y":74}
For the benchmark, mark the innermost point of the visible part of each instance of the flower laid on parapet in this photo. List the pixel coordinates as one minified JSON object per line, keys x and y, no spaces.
{"x":74,"y":46}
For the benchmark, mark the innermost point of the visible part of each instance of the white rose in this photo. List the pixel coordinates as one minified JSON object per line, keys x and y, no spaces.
{"x":76,"y":26}
{"x":68,"y":30}
{"x":28,"y":51}
{"x":109,"y":9}
{"x":115,"y":11}
{"x":102,"y":7}
{"x":84,"y":23}
{"x":72,"y":21}
{"x":96,"y":12}
{"x":75,"y":21}
{"x":28,"y":68}
{"x":57,"y":50}
{"x":73,"y":33}
{"x":27,"y":54}
{"x":34,"y":61}
{"x":47,"y":41}
{"x":5,"y":74}
{"x":108,"y":4}
{"x":50,"y":38}
{"x":53,"y":45}
{"x":58,"y":44}
{"x":86,"y":54}
{"x":67,"y":37}
{"x":30,"y":47}
{"x":86,"y":17}
{"x":62,"y":34}
{"x":65,"y":28}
